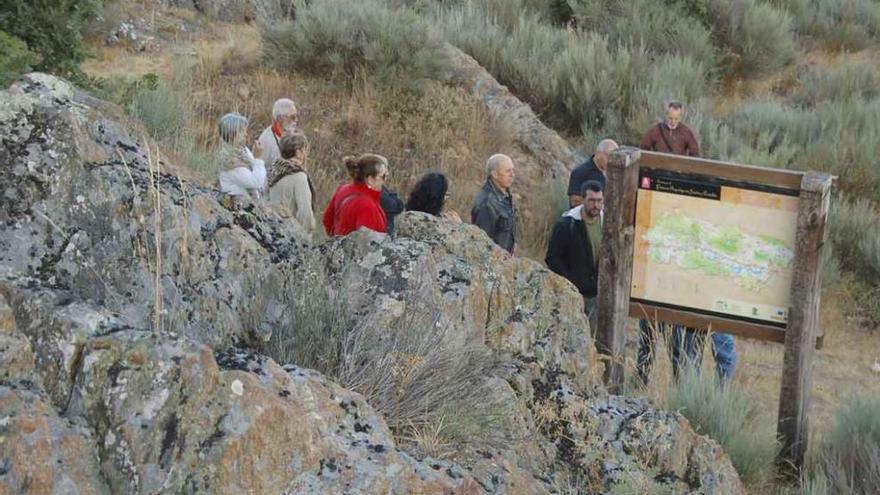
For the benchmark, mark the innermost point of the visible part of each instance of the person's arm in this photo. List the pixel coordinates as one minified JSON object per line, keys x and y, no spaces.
{"x":647,"y":142}
{"x":303,"y":197}
{"x":485,"y":218}
{"x":368,"y":215}
{"x":329,"y":214}
{"x":574,"y":187}
{"x":556,"y":249}
{"x":693,"y":145}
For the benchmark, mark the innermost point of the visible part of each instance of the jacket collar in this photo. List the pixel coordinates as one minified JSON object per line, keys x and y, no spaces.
{"x":576,"y":214}
{"x":490,"y":186}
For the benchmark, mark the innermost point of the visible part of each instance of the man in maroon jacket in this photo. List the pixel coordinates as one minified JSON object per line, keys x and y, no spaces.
{"x":671,"y":136}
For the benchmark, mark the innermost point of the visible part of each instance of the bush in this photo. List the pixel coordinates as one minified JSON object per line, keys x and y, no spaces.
{"x":854,"y":231}
{"x":577,"y":80}
{"x":413,"y":372}
{"x":15,"y":59}
{"x":837,"y":24}
{"x":731,"y":417}
{"x":662,"y":28}
{"x":395,"y":46}
{"x":851,"y":78}
{"x":52,"y":29}
{"x":849,"y":459}
{"x":755,"y":37}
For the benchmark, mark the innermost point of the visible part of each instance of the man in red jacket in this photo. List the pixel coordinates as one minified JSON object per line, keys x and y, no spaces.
{"x":670,"y":135}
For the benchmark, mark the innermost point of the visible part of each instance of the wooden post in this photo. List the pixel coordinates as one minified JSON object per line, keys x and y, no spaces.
{"x":803,"y":319}
{"x":615,"y":262}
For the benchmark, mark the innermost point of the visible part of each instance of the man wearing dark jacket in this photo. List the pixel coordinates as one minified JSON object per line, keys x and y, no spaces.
{"x":573,"y":251}
{"x":392,"y":205}
{"x":493,"y":207}
{"x":592,"y":169}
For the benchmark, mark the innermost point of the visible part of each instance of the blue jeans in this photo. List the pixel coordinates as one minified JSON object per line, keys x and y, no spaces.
{"x":691,"y":342}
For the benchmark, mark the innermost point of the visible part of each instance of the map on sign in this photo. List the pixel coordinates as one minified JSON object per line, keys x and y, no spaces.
{"x":713,"y":247}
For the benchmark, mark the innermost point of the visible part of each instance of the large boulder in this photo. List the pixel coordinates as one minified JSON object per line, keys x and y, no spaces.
{"x":88,"y":207}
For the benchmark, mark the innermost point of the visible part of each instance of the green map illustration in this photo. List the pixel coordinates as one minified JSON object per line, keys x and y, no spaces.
{"x":693,"y":244}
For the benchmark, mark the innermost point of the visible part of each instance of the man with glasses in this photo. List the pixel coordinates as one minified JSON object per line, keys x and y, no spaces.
{"x":573,"y":251}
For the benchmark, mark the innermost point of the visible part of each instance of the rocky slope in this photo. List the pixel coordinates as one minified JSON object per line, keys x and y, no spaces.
{"x":129,"y":301}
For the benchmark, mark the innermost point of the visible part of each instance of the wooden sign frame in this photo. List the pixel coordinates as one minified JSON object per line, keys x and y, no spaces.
{"x":800,"y":333}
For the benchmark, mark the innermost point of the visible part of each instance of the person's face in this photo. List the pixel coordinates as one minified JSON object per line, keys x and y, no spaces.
{"x":673,"y":117}
{"x":377,"y":181}
{"x":593,"y":203}
{"x":503,"y":175}
{"x":288,"y":122}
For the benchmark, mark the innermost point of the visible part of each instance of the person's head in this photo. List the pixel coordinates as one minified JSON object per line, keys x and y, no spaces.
{"x":233,"y":128}
{"x":284,"y":114}
{"x":294,"y":145}
{"x":594,"y":199}
{"x":674,"y":111}
{"x":429,"y":194}
{"x":499,"y":169}
{"x":367,"y":169}
{"x":603,"y":151}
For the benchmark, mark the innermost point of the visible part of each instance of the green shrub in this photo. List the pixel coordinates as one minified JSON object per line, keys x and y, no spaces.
{"x":15,"y":59}
{"x":395,"y":46}
{"x":52,"y":29}
{"x":663,"y":28}
{"x":840,"y":137}
{"x":574,"y":79}
{"x":851,"y":78}
{"x":854,"y":231}
{"x":731,"y":417}
{"x":755,"y":37}
{"x":837,"y":24}
{"x":849,"y":459}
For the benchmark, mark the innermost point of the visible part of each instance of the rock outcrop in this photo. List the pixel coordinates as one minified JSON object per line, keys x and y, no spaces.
{"x":555,"y":154}
{"x":130,"y":302}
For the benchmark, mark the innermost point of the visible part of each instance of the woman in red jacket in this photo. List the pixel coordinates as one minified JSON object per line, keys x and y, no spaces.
{"x":356,"y":204}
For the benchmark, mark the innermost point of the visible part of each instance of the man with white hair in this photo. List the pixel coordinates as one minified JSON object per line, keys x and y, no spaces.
{"x":284,"y":121}
{"x":493,"y":209}
{"x":593,"y":169}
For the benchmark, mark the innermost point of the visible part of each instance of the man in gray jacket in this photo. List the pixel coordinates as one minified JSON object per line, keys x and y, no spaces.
{"x":493,"y":209}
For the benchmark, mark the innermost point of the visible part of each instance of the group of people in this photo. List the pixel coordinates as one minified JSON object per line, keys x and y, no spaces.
{"x":574,"y":247}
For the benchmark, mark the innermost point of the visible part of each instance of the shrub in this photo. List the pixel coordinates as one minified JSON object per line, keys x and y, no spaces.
{"x":410,"y":369}
{"x":662,"y":28}
{"x":850,"y":456}
{"x":52,"y":29}
{"x":395,"y":46}
{"x":755,"y":37}
{"x":851,"y":78}
{"x":731,"y":417}
{"x":15,"y":59}
{"x":854,"y":229}
{"x":837,"y":24}
{"x":577,"y":80}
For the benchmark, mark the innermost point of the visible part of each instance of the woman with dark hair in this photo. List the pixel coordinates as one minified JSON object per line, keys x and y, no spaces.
{"x":356,"y":204}
{"x":429,"y":195}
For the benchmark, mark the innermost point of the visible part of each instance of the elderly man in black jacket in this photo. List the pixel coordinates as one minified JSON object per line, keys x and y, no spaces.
{"x":493,"y":209}
{"x":573,"y":251}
